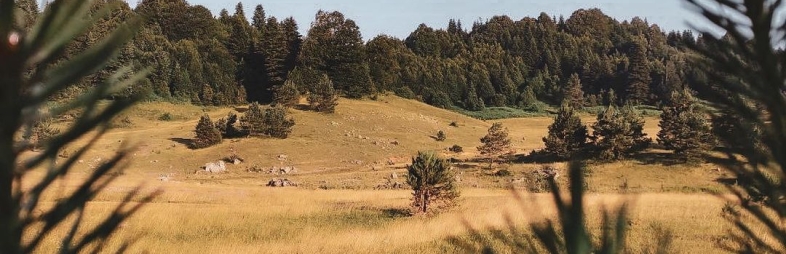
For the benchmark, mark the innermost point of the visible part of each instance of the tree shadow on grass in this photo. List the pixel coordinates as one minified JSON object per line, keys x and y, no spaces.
{"x":184,"y":141}
{"x":666,"y":159}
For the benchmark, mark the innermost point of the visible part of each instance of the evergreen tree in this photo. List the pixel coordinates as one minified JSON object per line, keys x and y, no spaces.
{"x":294,"y":42}
{"x":567,"y":135}
{"x":239,"y":40}
{"x":323,"y":98}
{"x":287,"y":95}
{"x":495,"y":143}
{"x":572,"y":95}
{"x":638,"y":91}
{"x":432,"y":181}
{"x":618,"y":133}
{"x":684,"y":129}
{"x":206,"y":133}
{"x":274,"y":42}
{"x":227,"y":126}
{"x":253,"y":120}
{"x":735,"y":134}
{"x":334,"y":46}
{"x":275,"y":123}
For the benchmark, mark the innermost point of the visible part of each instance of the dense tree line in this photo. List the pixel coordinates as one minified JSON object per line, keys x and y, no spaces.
{"x":232,"y":58}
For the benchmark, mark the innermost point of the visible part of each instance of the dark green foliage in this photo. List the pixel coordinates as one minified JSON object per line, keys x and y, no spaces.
{"x":456,"y":149}
{"x":684,"y":128}
{"x":495,"y":143}
{"x":166,"y":117}
{"x":228,"y":126}
{"x":276,"y":124}
{"x":253,"y":120}
{"x":567,"y":135}
{"x":441,"y":136}
{"x":618,"y":133}
{"x":206,"y":134}
{"x":736,"y":134}
{"x":572,"y":94}
{"x":323,"y":98}
{"x":432,"y":181}
{"x":287,"y":95}
{"x":36,"y":65}
{"x":334,"y":46}
{"x":745,"y":71}
{"x":638,"y":90}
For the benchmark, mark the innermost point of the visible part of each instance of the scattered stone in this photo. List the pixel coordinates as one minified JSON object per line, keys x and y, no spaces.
{"x":215,"y":167}
{"x":393,"y":175}
{"x":394,"y":142}
{"x":282,"y":157}
{"x":280,"y":183}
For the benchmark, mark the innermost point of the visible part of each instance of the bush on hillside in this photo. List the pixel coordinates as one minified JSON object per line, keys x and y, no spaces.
{"x":287,"y":95}
{"x":206,"y":134}
{"x":684,"y":129}
{"x":276,"y":124}
{"x":323,"y":98}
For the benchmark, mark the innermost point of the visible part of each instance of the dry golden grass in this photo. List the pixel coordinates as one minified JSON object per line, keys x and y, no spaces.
{"x":348,"y":153}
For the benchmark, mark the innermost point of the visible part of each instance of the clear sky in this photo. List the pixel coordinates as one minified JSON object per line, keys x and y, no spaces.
{"x":400,"y":17}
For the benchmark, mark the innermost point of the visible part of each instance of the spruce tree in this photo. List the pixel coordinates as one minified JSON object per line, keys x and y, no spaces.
{"x":567,"y":135}
{"x":323,"y":98}
{"x":735,"y":134}
{"x":275,"y":123}
{"x":287,"y":95}
{"x":495,"y":143}
{"x":638,"y":90}
{"x":618,"y":133}
{"x":253,"y":120}
{"x":432,"y":181}
{"x":572,"y":95}
{"x":684,"y":129}
{"x":206,"y":133}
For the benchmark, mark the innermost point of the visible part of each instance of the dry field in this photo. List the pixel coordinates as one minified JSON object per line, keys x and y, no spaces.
{"x":340,"y":158}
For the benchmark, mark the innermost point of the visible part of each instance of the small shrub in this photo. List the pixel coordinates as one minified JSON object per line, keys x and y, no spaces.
{"x":441,"y":136}
{"x":227,"y":126}
{"x":454,"y":124}
{"x":503,"y":173}
{"x":456,"y":149}
{"x":252,"y":120}
{"x":276,"y":124}
{"x":166,"y":117}
{"x":206,"y":134}
{"x":287,"y":94}
{"x":324,"y":97}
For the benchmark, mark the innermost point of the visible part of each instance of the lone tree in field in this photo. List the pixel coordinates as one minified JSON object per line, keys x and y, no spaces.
{"x":287,"y":95}
{"x":323,"y":97}
{"x":432,"y":181}
{"x":253,"y":120}
{"x":618,"y":133}
{"x":441,"y":136}
{"x":737,"y":135}
{"x":684,"y":129}
{"x":495,"y":143}
{"x":206,"y":133}
{"x":567,"y":135}
{"x":34,"y":66}
{"x":276,"y":124}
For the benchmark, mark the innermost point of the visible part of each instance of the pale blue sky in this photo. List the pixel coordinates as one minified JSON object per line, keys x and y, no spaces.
{"x":400,"y":17}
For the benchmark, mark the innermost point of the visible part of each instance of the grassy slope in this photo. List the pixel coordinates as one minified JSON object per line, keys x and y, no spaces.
{"x":233,"y":212}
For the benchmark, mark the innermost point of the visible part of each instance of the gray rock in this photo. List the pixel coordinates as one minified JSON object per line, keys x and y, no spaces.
{"x":215,"y":167}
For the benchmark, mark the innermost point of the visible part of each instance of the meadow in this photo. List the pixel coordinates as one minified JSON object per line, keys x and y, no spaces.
{"x":341,"y":158}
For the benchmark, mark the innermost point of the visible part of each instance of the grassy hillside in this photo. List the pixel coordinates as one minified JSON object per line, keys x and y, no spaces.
{"x":340,"y":159}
